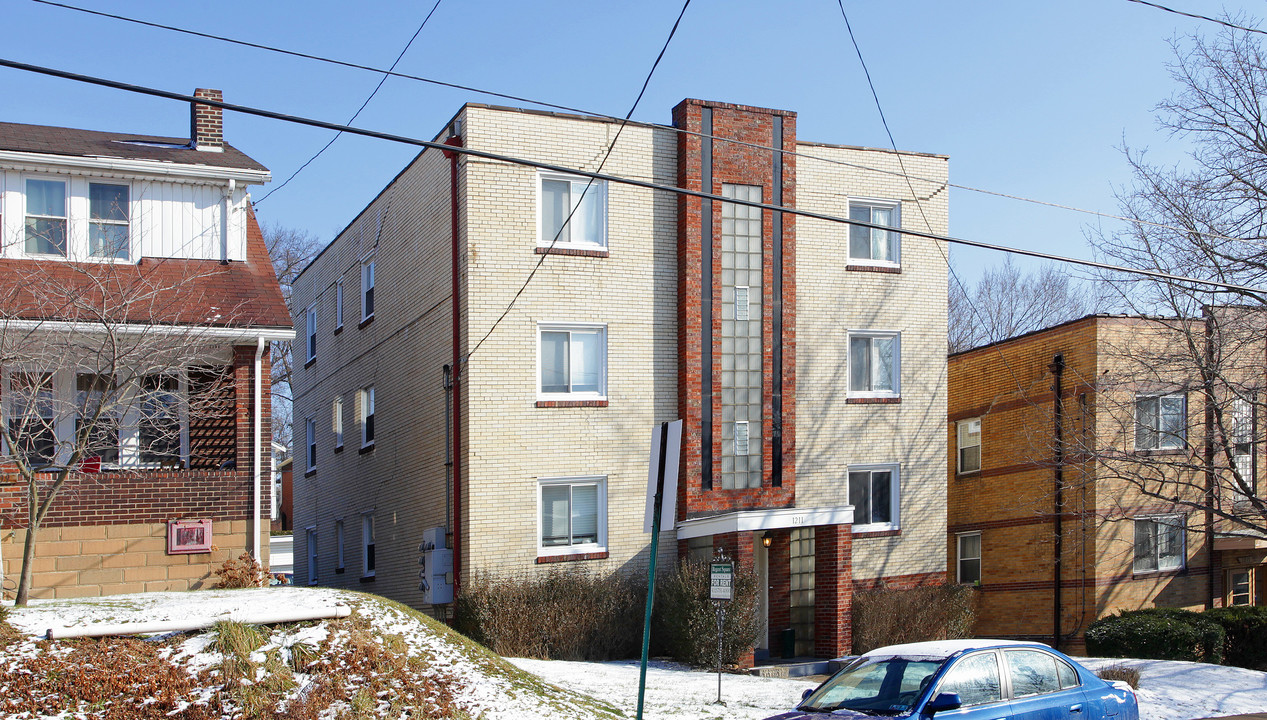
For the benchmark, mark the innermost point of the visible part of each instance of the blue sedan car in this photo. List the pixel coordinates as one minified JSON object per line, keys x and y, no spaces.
{"x":967,"y":680}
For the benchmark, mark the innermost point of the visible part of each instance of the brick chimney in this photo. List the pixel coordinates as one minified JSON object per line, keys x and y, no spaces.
{"x":206,"y":126}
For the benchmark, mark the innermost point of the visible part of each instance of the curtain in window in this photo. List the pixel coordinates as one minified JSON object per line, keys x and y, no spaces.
{"x":969,"y":558}
{"x":860,"y":237}
{"x":587,"y":358}
{"x":108,"y":213}
{"x":881,"y":243}
{"x":555,"y":204}
{"x":882,"y":374}
{"x":1145,"y":545}
{"x":46,"y":217}
{"x":554,"y":362}
{"x":859,"y":364}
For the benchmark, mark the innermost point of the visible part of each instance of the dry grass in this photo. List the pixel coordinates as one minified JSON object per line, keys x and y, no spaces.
{"x":1120,"y":672}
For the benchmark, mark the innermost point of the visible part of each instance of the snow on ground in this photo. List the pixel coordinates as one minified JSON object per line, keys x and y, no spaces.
{"x":1168,"y":690}
{"x":674,"y":692}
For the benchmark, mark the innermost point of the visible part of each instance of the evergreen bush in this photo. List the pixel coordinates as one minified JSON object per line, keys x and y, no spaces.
{"x":1245,"y":627}
{"x":1158,"y":634}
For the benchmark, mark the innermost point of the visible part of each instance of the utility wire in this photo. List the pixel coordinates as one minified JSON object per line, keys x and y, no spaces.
{"x":356,"y":114}
{"x":635,"y":182}
{"x":1194,"y":16}
{"x":610,"y":147}
{"x":636,"y":123}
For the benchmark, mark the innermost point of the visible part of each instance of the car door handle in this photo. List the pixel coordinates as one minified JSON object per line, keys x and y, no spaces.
{"x":1075,"y":708}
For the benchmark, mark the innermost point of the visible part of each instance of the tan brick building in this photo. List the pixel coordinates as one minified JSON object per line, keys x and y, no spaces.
{"x":1104,"y":419}
{"x":136,"y":315}
{"x":807,"y":363}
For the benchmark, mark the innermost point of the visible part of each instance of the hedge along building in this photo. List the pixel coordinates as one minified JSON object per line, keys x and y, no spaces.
{"x":1091,"y":471}
{"x":137,"y":307}
{"x":806,"y":359}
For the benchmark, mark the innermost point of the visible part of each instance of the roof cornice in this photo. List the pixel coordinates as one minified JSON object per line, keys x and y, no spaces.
{"x":155,"y":168}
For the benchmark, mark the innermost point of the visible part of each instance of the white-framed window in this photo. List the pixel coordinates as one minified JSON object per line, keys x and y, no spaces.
{"x":108,"y":221}
{"x":338,"y":304}
{"x":310,"y":435}
{"x":572,"y":361}
{"x":367,"y":545}
{"x":76,"y":219}
{"x":1240,"y":587}
{"x":874,"y":494}
{"x":561,"y":195}
{"x":312,"y":332}
{"x":32,"y":414}
{"x":367,"y":288}
{"x":47,"y":217}
{"x":1160,"y":421}
{"x":1159,"y":543}
{"x":94,"y":395}
{"x":874,"y":246}
{"x":573,"y":516}
{"x":336,"y":421}
{"x":310,"y":535}
{"x":367,"y":416}
{"x":161,"y":432}
{"x":1241,"y":443}
{"x":340,"y":564}
{"x":969,"y":432}
{"x":968,"y":553}
{"x":875,"y":364}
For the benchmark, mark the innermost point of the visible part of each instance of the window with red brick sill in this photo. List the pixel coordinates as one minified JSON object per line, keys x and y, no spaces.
{"x":573,"y":515}
{"x":572,"y":212}
{"x":571,"y":361}
{"x":875,"y":496}
{"x":875,"y":364}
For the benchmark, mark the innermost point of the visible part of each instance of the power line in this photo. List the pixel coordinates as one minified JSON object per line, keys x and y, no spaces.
{"x":636,"y":123}
{"x":635,"y":182}
{"x":356,"y":114}
{"x":1194,"y":16}
{"x":610,"y":147}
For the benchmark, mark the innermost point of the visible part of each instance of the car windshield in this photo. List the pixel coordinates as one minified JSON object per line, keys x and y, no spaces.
{"x":879,"y":685}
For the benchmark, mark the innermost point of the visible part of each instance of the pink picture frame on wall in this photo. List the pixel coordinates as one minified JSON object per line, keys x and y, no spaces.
{"x":188,"y":536}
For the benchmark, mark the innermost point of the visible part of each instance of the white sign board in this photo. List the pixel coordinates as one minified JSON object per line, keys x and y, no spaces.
{"x":722,"y":580}
{"x":668,"y":507}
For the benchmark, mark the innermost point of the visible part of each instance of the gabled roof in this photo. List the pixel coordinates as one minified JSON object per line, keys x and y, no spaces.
{"x":69,"y":142}
{"x":162,"y":291}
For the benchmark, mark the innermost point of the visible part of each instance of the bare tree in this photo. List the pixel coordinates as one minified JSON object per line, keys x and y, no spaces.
{"x":107,"y":366}
{"x":1006,"y":302}
{"x":291,"y":250}
{"x":1196,"y":393}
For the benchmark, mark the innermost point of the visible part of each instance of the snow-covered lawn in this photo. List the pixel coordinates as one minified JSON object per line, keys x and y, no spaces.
{"x":1168,"y":690}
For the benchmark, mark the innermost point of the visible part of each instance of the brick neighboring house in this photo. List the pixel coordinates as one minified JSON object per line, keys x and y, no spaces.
{"x":1131,"y":408}
{"x":649,"y":307}
{"x":119,"y":254}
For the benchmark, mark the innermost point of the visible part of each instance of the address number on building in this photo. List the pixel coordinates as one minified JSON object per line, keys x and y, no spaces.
{"x":722,"y":580}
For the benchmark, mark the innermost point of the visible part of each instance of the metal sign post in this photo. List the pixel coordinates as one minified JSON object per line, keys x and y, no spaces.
{"x":666,"y":443}
{"x":721,"y":577}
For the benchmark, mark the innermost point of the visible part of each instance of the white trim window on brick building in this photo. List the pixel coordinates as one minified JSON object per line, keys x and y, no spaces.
{"x":872,"y":246}
{"x":336,"y":421}
{"x":1159,"y":543}
{"x":573,"y":517}
{"x":875,"y":497}
{"x":586,"y":202}
{"x":367,"y":545}
{"x":969,"y":444}
{"x":367,"y":288}
{"x":875,"y":364}
{"x":339,"y":539}
{"x":311,"y":322}
{"x":968,"y":558}
{"x":366,"y":401}
{"x":572,"y":361}
{"x":310,"y":537}
{"x":1160,"y":421}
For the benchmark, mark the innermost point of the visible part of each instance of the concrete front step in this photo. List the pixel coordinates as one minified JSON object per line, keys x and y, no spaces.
{"x":796,"y":668}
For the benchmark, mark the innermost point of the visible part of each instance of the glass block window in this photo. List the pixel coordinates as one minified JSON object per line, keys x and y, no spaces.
{"x":741,"y":351}
{"x":801,"y":603}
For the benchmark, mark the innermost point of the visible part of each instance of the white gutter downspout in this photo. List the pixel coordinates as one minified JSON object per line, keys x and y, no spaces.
{"x":257,"y":439}
{"x":224,"y":229}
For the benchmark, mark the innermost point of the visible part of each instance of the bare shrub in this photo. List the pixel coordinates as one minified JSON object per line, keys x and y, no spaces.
{"x":1129,"y":675}
{"x":889,"y":617}
{"x":242,"y":572}
{"x":559,"y":615}
{"x":685,"y":620}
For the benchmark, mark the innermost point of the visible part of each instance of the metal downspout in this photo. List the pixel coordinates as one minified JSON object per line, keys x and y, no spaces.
{"x":257,"y":436}
{"x":456,"y":527}
{"x":1058,"y":412}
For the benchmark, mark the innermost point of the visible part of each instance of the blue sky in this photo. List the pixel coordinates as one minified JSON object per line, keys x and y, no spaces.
{"x":1027,"y":98}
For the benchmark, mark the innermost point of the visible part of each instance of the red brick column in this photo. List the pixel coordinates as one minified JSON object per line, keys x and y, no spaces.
{"x":833,"y":590}
{"x":244,"y":420}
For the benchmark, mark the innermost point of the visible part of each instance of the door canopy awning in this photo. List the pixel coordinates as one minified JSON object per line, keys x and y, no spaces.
{"x":756,"y":520}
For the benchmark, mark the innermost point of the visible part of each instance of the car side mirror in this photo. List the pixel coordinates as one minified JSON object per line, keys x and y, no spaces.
{"x":805,"y":695}
{"x":944,"y":701}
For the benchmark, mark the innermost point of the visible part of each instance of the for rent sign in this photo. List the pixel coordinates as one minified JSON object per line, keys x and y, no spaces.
{"x":722,"y":575}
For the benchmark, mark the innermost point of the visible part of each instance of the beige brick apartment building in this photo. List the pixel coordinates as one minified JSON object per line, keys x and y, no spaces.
{"x":1105,"y":419}
{"x":806,"y":360}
